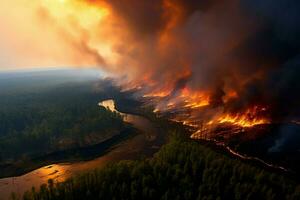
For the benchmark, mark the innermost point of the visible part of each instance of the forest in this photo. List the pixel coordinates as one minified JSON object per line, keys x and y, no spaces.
{"x":43,"y":117}
{"x":182,"y":169}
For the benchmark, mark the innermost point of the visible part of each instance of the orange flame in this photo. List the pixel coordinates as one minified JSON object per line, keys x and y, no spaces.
{"x":157,"y":94}
{"x":194,"y":99}
{"x":247,"y":119}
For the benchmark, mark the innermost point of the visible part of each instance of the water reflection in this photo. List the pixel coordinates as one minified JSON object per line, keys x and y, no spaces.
{"x":35,"y":178}
{"x":138,"y":121}
{"x":142,"y":144}
{"x":109,"y":104}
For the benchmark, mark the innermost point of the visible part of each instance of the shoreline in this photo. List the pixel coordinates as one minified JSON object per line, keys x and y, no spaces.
{"x":145,"y":139}
{"x":98,"y":150}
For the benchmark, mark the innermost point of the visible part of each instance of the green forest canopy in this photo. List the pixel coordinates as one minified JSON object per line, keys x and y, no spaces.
{"x":182,"y":169}
{"x":55,"y":116}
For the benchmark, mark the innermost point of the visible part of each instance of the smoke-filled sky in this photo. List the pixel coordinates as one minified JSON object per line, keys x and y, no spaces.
{"x":234,"y":53}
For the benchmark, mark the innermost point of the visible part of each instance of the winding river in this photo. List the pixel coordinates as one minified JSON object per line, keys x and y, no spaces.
{"x":142,"y":144}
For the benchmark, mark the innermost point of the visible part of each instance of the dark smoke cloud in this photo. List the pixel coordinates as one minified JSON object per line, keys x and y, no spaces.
{"x":283,"y":86}
{"x":144,"y":17}
{"x":150,"y":17}
{"x":274,"y":50}
{"x":249,"y":46}
{"x":282,"y":16}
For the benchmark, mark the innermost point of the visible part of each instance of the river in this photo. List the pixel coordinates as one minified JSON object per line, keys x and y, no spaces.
{"x":145,"y":143}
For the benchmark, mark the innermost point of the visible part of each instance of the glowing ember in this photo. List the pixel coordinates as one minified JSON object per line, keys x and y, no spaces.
{"x":197,"y":104}
{"x":193,"y":100}
{"x":242,"y":120}
{"x":247,"y":119}
{"x":158,"y":94}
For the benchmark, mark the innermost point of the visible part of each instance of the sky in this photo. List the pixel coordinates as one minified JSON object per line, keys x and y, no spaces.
{"x":46,"y":33}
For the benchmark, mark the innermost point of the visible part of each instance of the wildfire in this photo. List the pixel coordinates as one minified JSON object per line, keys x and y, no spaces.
{"x":242,"y":120}
{"x":197,"y":104}
{"x":247,"y":119}
{"x":194,"y":99}
{"x":157,"y":94}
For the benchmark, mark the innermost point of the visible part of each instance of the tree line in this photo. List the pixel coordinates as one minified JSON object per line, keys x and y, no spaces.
{"x":35,"y":123}
{"x":182,"y":169}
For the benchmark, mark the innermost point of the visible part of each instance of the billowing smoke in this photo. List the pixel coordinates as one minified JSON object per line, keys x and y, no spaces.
{"x":206,"y":56}
{"x":275,"y":49}
{"x":241,"y":54}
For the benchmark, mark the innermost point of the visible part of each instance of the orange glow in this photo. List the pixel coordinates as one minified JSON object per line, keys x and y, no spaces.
{"x":156,"y":110}
{"x":81,"y":20}
{"x":104,"y":34}
{"x":194,"y":99}
{"x":198,"y":104}
{"x":58,"y":32}
{"x":157,"y":94}
{"x":171,"y":104}
{"x":242,"y":120}
{"x":173,"y":14}
{"x":246,"y":119}
{"x":230,"y":95}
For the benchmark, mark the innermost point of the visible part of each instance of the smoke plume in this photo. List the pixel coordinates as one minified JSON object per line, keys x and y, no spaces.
{"x":232,"y":56}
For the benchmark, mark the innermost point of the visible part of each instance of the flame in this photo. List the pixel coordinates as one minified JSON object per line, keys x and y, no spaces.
{"x":194,"y":99}
{"x":185,"y":98}
{"x":95,"y":28}
{"x":230,"y":95}
{"x":246,"y":119}
{"x":157,"y":94}
{"x":242,"y":120}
